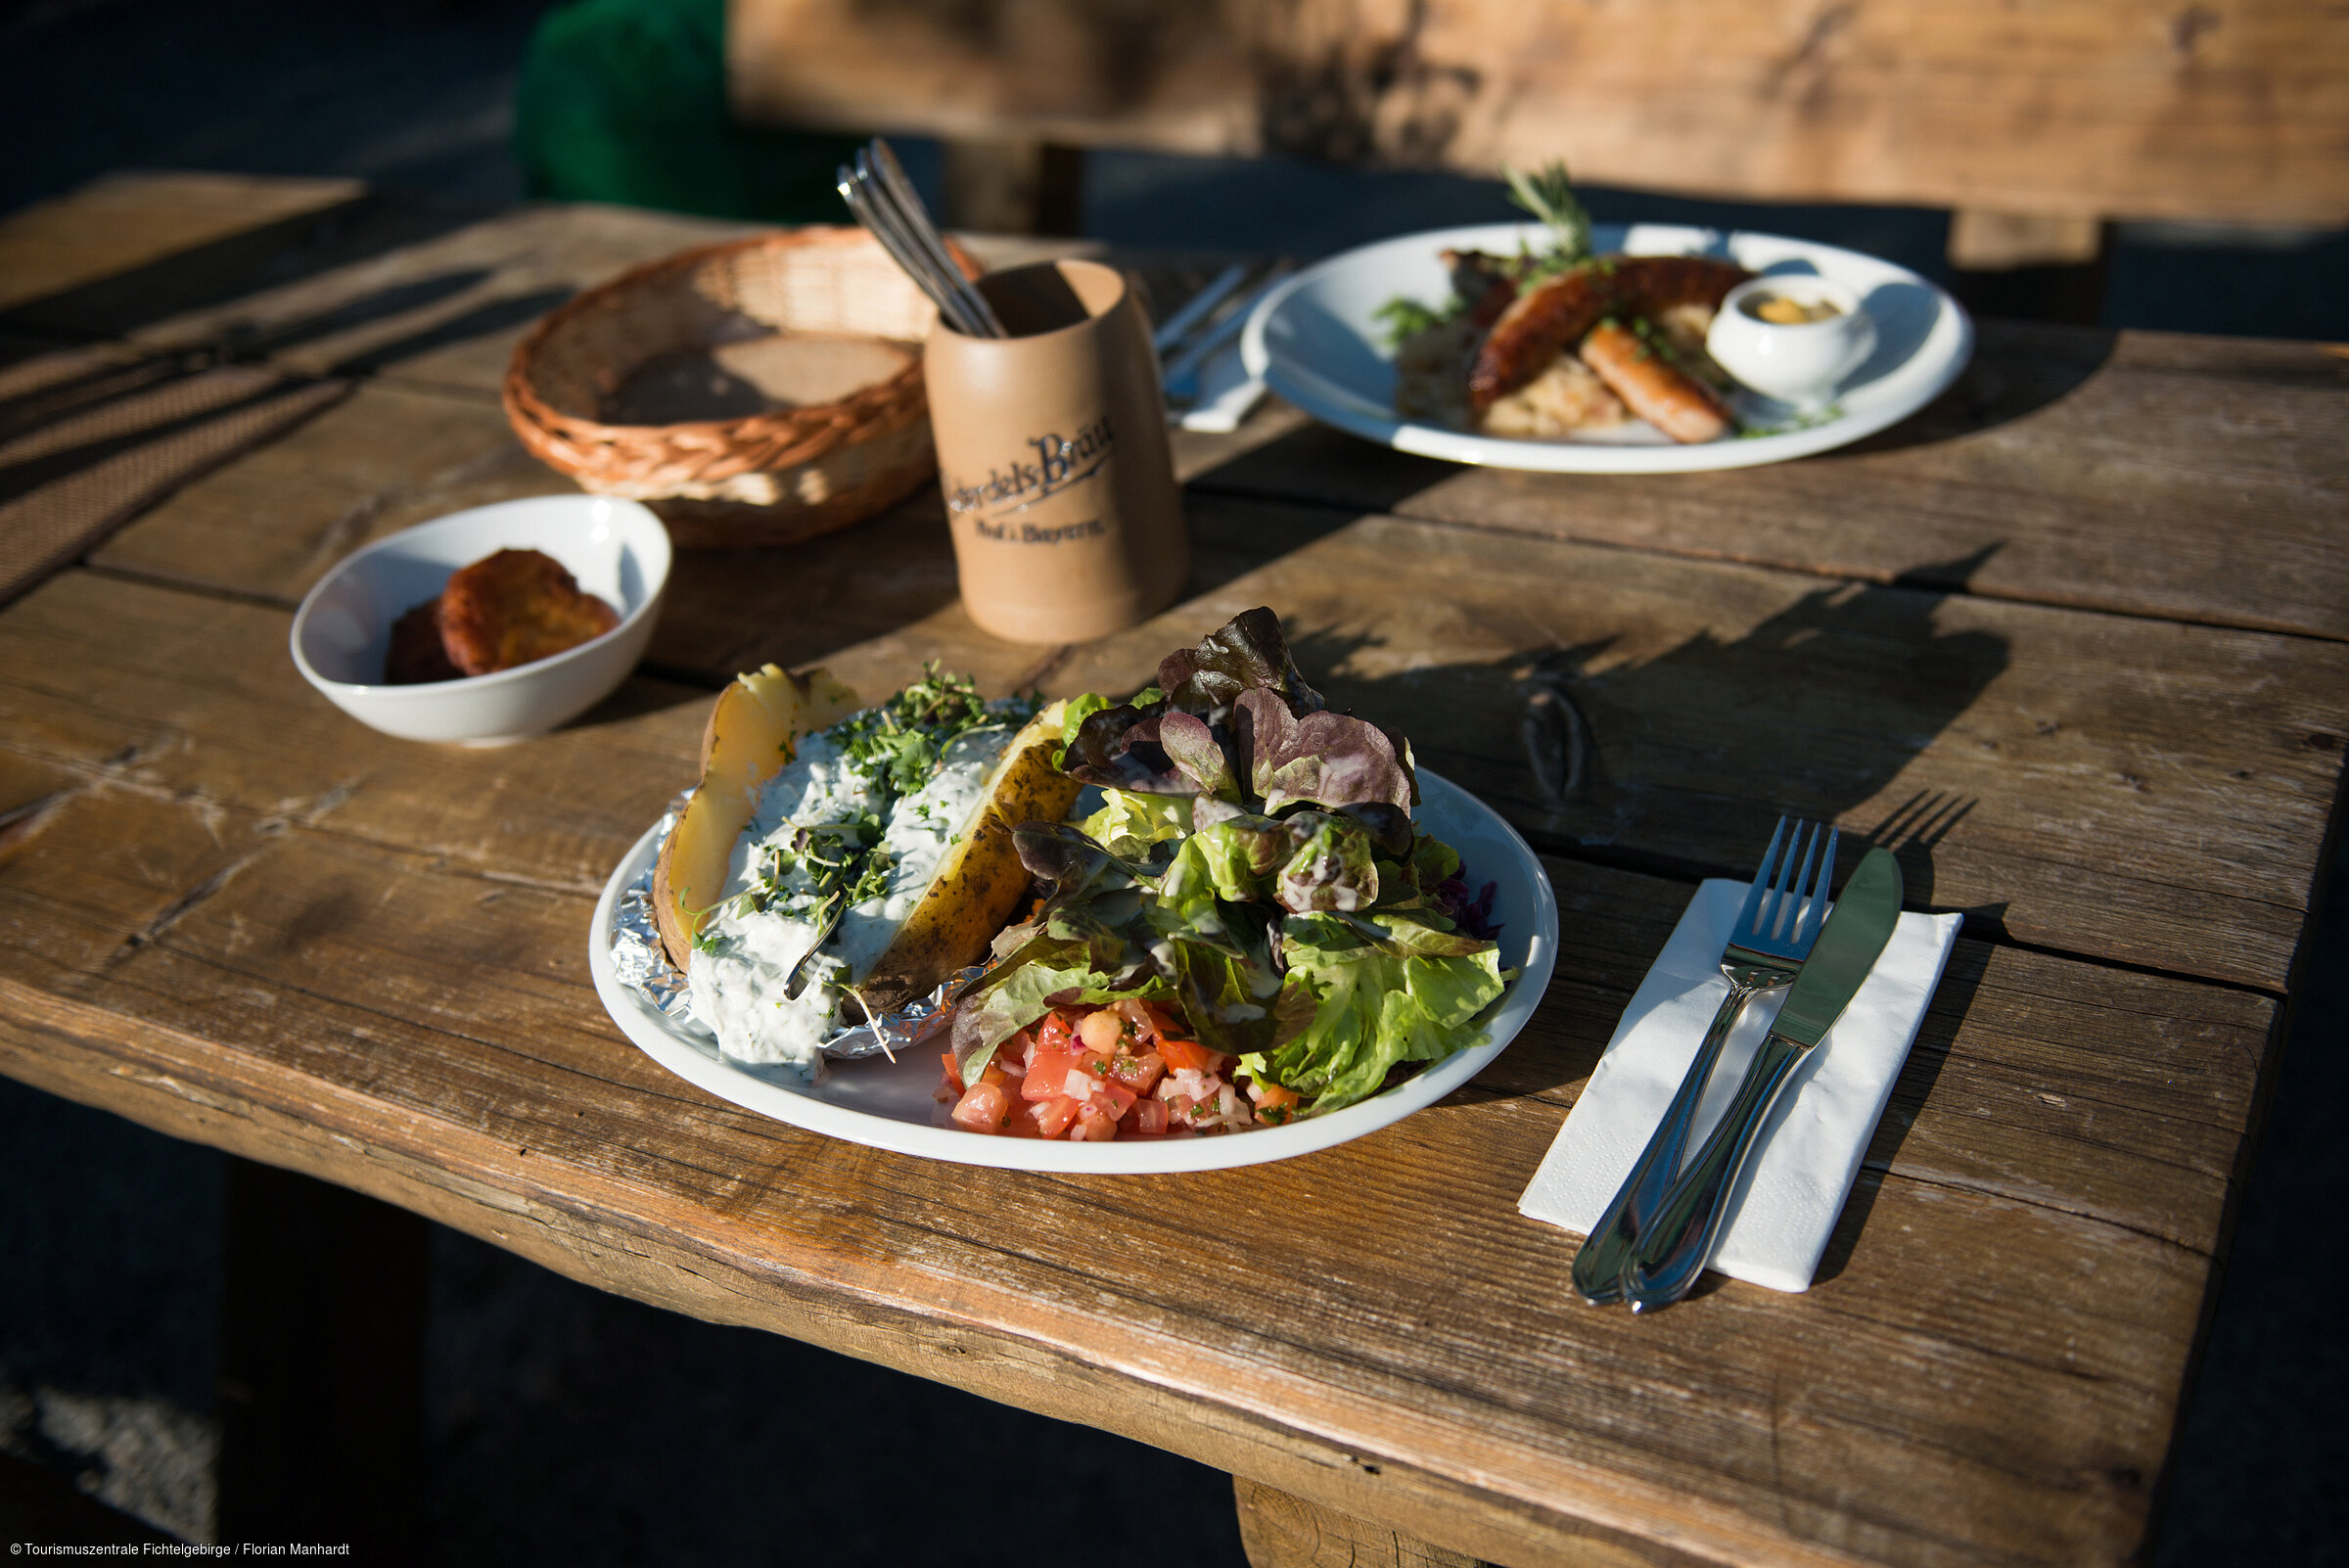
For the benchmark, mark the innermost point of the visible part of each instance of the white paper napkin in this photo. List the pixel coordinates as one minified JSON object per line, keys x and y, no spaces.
{"x":1227,"y":394}
{"x":1793,"y":1187}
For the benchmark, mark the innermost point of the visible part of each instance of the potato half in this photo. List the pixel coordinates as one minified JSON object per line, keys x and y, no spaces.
{"x":978,"y":884}
{"x":754,"y":730}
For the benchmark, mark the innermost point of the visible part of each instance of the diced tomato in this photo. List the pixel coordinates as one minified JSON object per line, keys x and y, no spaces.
{"x":1163,"y":1021}
{"x":1053,"y":1116}
{"x":1047,"y":1072}
{"x":1055,"y":1032}
{"x":1093,"y":1126}
{"x":1138,"y":1073}
{"x":1274,"y":1096}
{"x":1012,"y":1055}
{"x":949,"y":1086}
{"x":1113,"y":1097}
{"x":982,"y":1107}
{"x":1147,"y":1120}
{"x":1189,"y":1053}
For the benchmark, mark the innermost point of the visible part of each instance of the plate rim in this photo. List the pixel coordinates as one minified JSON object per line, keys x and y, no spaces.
{"x":645,"y":1027}
{"x":1591,"y":457}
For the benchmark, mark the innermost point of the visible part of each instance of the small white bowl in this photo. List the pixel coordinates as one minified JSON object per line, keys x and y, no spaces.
{"x":1801,"y":364}
{"x":616,"y":549}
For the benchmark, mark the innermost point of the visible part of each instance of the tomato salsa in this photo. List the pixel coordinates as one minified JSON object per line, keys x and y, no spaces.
{"x":1094,"y":1074}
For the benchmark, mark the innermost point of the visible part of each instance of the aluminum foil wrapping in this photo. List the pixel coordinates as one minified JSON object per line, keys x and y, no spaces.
{"x":642,"y":965}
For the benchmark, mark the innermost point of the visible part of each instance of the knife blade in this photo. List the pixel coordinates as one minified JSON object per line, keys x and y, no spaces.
{"x":1858,"y":927}
{"x":1673,"y":1252}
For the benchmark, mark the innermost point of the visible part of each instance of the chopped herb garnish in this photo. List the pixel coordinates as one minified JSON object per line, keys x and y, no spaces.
{"x":1404,"y":319}
{"x":900,"y":743}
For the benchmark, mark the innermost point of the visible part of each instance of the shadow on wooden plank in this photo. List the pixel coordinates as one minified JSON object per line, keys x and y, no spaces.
{"x":268,"y":256}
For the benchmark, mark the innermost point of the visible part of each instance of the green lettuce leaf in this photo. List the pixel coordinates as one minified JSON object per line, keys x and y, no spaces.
{"x":1130,"y":821}
{"x":1072,"y":718}
{"x":1386,"y":988}
{"x":1308,"y":860}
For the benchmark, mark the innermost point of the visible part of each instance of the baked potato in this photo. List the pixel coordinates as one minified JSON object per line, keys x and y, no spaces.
{"x":938,"y":908}
{"x":978,"y":885}
{"x":753,"y":729}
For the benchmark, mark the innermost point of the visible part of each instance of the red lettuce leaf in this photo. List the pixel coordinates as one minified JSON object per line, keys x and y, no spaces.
{"x":1247,"y":653}
{"x":1327,"y":760}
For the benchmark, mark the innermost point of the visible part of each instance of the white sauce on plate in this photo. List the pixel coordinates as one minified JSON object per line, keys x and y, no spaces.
{"x":737,"y":974}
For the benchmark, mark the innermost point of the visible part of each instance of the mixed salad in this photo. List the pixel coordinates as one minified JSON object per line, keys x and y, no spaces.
{"x":1247,"y":930}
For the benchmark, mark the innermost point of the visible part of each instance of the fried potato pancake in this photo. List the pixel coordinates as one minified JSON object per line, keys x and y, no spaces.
{"x":515,"y":607}
{"x":416,"y":655}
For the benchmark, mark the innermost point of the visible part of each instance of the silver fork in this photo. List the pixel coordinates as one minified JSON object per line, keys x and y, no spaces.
{"x":1774,"y":930}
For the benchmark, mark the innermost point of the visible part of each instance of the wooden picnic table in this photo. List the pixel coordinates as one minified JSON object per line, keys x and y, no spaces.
{"x":2076,"y":637}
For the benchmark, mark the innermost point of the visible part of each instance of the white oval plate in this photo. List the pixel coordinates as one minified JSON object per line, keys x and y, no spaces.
{"x":1314,"y":340}
{"x":889,"y":1106}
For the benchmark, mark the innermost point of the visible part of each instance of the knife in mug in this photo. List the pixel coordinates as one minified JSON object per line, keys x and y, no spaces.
{"x":1673,"y":1252}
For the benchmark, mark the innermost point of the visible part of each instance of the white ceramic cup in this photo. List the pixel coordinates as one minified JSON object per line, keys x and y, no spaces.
{"x":1803,"y":363}
{"x":616,"y":549}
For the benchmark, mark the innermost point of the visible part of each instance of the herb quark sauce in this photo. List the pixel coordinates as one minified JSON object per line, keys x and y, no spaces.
{"x":859,"y":820}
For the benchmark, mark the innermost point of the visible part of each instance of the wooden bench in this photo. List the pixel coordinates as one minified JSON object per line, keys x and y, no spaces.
{"x":2038,"y":125}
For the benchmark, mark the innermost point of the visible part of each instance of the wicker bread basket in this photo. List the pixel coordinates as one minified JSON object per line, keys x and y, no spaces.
{"x":769,"y":478}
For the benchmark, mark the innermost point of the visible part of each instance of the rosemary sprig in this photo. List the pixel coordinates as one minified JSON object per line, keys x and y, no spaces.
{"x":1548,"y":195}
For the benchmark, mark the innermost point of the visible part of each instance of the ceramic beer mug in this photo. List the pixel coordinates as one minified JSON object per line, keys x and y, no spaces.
{"x":1053,"y":452}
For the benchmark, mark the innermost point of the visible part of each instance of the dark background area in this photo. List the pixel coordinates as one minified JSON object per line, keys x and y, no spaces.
{"x":567,"y":1425}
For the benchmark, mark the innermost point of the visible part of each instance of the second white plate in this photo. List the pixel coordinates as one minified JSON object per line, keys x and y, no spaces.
{"x":1316,"y":342}
{"x":889,"y":1105}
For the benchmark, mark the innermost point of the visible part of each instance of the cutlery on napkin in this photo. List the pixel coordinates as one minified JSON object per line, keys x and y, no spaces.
{"x":1793,"y":1190}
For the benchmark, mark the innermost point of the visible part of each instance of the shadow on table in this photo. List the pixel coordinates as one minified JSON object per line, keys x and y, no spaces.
{"x":93,"y":437}
{"x":1680,"y":762}
{"x":2019,"y":368}
{"x":1677,"y":766}
{"x":268,"y":256}
{"x":647,"y":691}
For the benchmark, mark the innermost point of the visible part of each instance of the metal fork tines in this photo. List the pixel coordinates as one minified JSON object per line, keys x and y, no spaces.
{"x":1775,"y":928}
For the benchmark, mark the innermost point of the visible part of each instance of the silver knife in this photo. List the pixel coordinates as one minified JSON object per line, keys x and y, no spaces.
{"x":1674,"y":1250}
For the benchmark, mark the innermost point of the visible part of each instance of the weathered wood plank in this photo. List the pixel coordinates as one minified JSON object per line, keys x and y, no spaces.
{"x":122,"y":222}
{"x":391,"y":455}
{"x":422,"y":1032}
{"x":397,"y":453}
{"x":2195,"y":479}
{"x":447,"y":308}
{"x":2234,"y":109}
{"x":2118,"y":788}
{"x":1282,"y":1531}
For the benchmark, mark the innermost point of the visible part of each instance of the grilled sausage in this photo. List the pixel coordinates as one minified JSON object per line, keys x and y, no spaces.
{"x":1552,"y":316}
{"x":1652,"y":387}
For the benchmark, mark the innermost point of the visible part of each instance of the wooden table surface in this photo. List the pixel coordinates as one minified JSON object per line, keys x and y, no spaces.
{"x":2077,"y":636}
